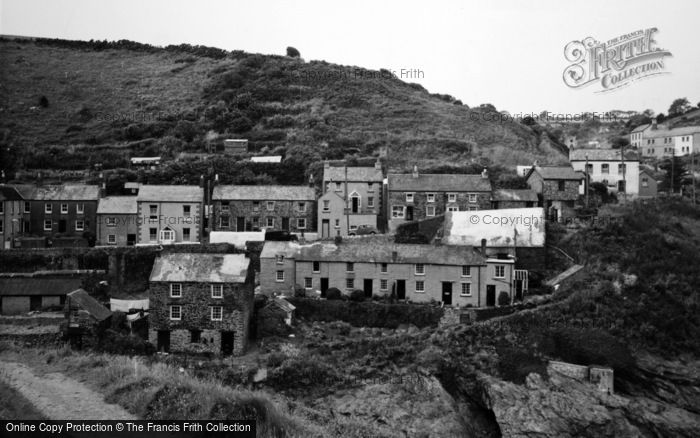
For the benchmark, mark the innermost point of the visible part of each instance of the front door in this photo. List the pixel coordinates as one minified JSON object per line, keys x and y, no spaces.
{"x":519,"y":290}
{"x":355,"y":204}
{"x":326,"y":228}
{"x":401,"y":289}
{"x":368,"y":287}
{"x":409,"y":213}
{"x":285,"y":223}
{"x":240,"y":223}
{"x":62,"y":226}
{"x":324,"y":286}
{"x":131,"y":239}
{"x":447,"y":293}
{"x":490,"y":295}
{"x":35,"y":302}
{"x":227,"y":343}
{"x":164,"y":340}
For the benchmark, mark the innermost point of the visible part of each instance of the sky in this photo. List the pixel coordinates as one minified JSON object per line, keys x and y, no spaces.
{"x":507,"y":53}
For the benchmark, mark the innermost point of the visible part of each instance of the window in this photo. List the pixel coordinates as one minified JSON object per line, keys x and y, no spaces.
{"x":337,"y":223}
{"x":397,"y":212}
{"x":256,"y":222}
{"x":430,"y":210}
{"x":420,"y":286}
{"x":384,"y":268}
{"x":466,"y":271}
{"x":64,"y":208}
{"x":111,"y":221}
{"x":383,"y":284}
{"x":224,"y":222}
{"x":409,"y":197}
{"x":27,"y":207}
{"x":326,"y":205}
{"x":349,"y":283}
{"x":224,"y":206}
{"x":473,"y":209}
{"x":195,"y":336}
{"x":186,"y":234}
{"x":2,"y":225}
{"x":370,"y":187}
{"x":80,"y":208}
{"x":111,"y":239}
{"x":453,"y":208}
{"x":472,"y":197}
{"x":175,"y":290}
{"x":349,"y":267}
{"x":370,"y":201}
{"x":621,"y":168}
{"x":280,"y":276}
{"x":186,"y":209}
{"x":153,"y":211}
{"x":270,"y":222}
{"x":256,"y":205}
{"x":279,"y":259}
{"x":217,"y":290}
{"x":308,"y":283}
{"x":152,"y":234}
{"x":175,"y":312}
{"x":337,"y":186}
{"x":645,"y":181}
{"x":217,"y":313}
{"x":270,"y":205}
{"x":301,"y":223}
{"x":466,"y":289}
{"x":500,"y":271}
{"x":301,"y":206}
{"x":79,"y":225}
{"x":47,"y":225}
{"x":316,"y":266}
{"x":589,"y":168}
{"x":431,"y":197}
{"x":48,"y":208}
{"x":562,"y":185}
{"x":420,"y":269}
{"x":605,"y":168}
{"x":167,"y":235}
{"x":451,"y":197}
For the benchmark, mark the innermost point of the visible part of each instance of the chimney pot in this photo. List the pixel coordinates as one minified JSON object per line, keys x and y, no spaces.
{"x":483,"y":247}
{"x":415,"y":171}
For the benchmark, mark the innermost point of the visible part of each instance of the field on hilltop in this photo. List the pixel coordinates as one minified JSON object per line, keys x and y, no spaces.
{"x":105,"y":102}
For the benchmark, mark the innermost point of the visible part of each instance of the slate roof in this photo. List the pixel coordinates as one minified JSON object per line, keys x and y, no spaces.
{"x":438,"y":183}
{"x":355,"y":174}
{"x":170,"y":193}
{"x":524,"y":195}
{"x":273,"y":248}
{"x":377,"y":250}
{"x":76,"y":192}
{"x":83,"y":300}
{"x":601,"y":155}
{"x":282,"y":304}
{"x":9,"y":193}
{"x":117,"y":205}
{"x":203,"y":268}
{"x":641,"y":128}
{"x":24,"y":286}
{"x":264,"y":193}
{"x":683,"y":130}
{"x":556,"y":172}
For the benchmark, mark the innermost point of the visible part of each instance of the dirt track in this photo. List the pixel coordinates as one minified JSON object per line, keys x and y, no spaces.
{"x":60,"y":397}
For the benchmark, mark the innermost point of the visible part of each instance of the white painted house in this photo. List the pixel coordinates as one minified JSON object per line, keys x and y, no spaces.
{"x":608,"y":167}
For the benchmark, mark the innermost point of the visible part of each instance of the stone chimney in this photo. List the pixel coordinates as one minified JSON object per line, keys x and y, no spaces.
{"x":378,"y":164}
{"x":415,"y":171}
{"x":485,"y":173}
{"x":483,"y":247}
{"x":326,"y":164}
{"x":394,"y":256}
{"x":311,"y":180}
{"x":654,"y":123}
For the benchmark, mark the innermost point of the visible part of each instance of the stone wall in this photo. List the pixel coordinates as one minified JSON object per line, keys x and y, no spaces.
{"x":282,"y":208}
{"x":551,"y":190}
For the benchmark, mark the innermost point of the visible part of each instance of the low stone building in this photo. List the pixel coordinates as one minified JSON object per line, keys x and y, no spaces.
{"x":201,"y":303}
{"x":86,"y":318}
{"x":275,"y":318}
{"x":557,"y":189}
{"x":26,"y":292}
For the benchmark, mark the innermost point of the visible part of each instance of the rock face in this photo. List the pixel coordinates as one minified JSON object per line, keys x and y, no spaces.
{"x":563,"y":407}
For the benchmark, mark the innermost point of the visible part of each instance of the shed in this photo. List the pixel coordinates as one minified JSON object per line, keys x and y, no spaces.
{"x":22,"y":293}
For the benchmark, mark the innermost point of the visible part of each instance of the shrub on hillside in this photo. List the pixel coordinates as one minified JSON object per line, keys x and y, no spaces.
{"x":333,"y":294}
{"x":119,"y":343}
{"x":591,"y":347}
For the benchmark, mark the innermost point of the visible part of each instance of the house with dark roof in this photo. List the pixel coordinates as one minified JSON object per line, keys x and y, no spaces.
{"x":451,"y":275}
{"x":557,"y":189}
{"x":26,"y":292}
{"x":12,"y":216}
{"x":361,"y":199}
{"x":169,"y":214}
{"x":620,"y":173}
{"x":416,"y":196}
{"x":273,"y":207}
{"x":117,"y":220}
{"x":201,"y":303}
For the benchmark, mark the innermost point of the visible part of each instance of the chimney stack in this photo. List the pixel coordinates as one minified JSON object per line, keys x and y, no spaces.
{"x":485,"y":173}
{"x":378,"y":164}
{"x":394,"y":256}
{"x":415,"y":171}
{"x":654,"y":123}
{"x":483,"y":247}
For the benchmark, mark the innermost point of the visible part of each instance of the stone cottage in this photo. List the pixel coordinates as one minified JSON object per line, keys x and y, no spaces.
{"x":86,"y":318}
{"x":201,"y":303}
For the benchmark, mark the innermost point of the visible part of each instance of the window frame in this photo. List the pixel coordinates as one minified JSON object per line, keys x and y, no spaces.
{"x":308,"y":283}
{"x":502,"y":268}
{"x":279,"y":278}
{"x":221,"y":313}
{"x":81,"y":227}
{"x":111,"y":239}
{"x":301,"y":220}
{"x":80,"y":208}
{"x":50,"y":222}
{"x":64,"y":210}
{"x":420,"y":290}
{"x":172,"y":290}
{"x":430,"y":197}
{"x":316,"y":267}
{"x":214,"y":287}
{"x":467,"y":269}
{"x":416,"y":271}
{"x":179,"y":311}
{"x":461,"y":289}
{"x":48,"y":208}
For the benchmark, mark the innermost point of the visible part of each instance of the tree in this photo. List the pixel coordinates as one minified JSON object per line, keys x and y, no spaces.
{"x":661,"y":117}
{"x":676,"y":172}
{"x":678,"y":107}
{"x":648,"y":113}
{"x":620,"y":142}
{"x":528,"y":121}
{"x":292,"y":52}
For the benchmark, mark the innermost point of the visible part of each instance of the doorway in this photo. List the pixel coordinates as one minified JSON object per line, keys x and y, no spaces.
{"x":490,"y":295}
{"x":62,"y":226}
{"x":324,"y":286}
{"x":285,"y":223}
{"x":367,"y":287}
{"x":447,"y":293}
{"x":409,"y":213}
{"x":400,"y":289}
{"x":240,"y":223}
{"x":355,"y":204}
{"x":326,"y":228}
{"x":227,"y":343}
{"x":35,"y":302}
{"x":163,"y":341}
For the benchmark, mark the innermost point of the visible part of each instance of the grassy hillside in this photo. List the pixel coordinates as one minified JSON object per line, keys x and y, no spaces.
{"x":108,"y":101}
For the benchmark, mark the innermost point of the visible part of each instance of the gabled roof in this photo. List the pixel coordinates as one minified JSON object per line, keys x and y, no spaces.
{"x":170,"y":193}
{"x":683,"y":130}
{"x":354,"y":174}
{"x":74,"y":192}
{"x":273,"y":248}
{"x":117,"y":205}
{"x":641,"y":128}
{"x":264,"y":193}
{"x":41,"y":285}
{"x":556,"y":172}
{"x":525,"y":195}
{"x":83,"y":300}
{"x":202,"y":268}
{"x":438,"y":183}
{"x":25,"y":190}
{"x":281,"y":303}
{"x":9,"y":193}
{"x":601,"y":155}
{"x":498,"y":227}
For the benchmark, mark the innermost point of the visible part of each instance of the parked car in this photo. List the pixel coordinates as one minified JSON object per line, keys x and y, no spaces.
{"x":280,"y":235}
{"x":363,"y":230}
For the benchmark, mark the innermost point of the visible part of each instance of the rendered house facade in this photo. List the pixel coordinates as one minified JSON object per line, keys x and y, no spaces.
{"x":117,"y":220}
{"x":169,"y":214}
{"x":608,"y":166}
{"x":12,"y":216}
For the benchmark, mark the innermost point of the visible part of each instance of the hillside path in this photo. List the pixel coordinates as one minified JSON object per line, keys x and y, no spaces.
{"x":60,"y":397}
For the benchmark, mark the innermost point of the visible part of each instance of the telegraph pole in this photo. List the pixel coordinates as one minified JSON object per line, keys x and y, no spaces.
{"x":624,"y":172}
{"x":588,"y":181}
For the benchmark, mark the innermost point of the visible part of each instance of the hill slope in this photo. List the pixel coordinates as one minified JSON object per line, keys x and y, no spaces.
{"x":104,"y":98}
